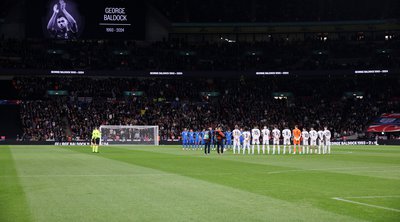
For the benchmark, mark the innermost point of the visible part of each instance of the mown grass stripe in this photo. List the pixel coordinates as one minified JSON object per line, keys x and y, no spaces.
{"x":13,"y":204}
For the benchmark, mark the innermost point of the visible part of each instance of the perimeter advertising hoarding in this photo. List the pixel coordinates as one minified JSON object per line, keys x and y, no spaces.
{"x":387,"y":122}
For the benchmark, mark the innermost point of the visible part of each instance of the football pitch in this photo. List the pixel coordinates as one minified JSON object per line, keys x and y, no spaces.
{"x":165,"y":183}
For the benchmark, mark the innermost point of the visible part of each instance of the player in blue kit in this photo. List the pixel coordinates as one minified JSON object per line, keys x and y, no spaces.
{"x":212,"y":139}
{"x":191,"y":139}
{"x":184,"y":139}
{"x":241,"y":137}
{"x":196,"y":139}
{"x":228,"y":139}
{"x":202,"y":142}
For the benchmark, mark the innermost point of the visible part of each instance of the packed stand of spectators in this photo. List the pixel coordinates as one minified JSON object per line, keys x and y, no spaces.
{"x":277,"y":54}
{"x":275,"y":11}
{"x":175,"y":103}
{"x":42,"y":120}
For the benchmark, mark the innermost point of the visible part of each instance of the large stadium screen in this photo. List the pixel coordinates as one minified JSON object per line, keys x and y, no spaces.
{"x":73,"y":19}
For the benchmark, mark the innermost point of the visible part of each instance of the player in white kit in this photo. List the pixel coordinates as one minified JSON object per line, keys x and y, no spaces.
{"x":327,"y":140}
{"x":276,"y":134}
{"x":313,"y":140}
{"x":246,"y":141}
{"x":286,"y":133}
{"x":265,"y":133}
{"x":306,"y":136}
{"x":320,"y":140}
{"x":236,"y":139}
{"x":255,"y":134}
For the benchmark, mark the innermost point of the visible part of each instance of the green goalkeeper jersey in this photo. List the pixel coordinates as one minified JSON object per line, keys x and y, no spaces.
{"x":96,"y":134}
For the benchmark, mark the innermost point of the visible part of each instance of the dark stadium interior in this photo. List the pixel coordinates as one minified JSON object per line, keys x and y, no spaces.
{"x":321,"y":44}
{"x":180,"y":55}
{"x":276,"y":11}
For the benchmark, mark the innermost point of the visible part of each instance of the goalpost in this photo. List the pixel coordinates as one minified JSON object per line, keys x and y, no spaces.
{"x":129,"y":135}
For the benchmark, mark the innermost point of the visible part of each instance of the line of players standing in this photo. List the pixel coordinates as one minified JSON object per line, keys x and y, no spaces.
{"x":304,"y":142}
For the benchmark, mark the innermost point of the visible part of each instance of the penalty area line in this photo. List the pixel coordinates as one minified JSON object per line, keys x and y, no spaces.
{"x":365,"y":204}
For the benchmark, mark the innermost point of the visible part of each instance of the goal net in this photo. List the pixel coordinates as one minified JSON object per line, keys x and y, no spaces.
{"x":129,"y":135}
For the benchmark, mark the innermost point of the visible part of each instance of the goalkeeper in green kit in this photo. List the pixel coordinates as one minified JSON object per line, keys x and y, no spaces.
{"x":95,"y":140}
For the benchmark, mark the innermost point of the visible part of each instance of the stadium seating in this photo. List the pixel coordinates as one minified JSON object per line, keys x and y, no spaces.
{"x":222,"y":56}
{"x":174,"y":105}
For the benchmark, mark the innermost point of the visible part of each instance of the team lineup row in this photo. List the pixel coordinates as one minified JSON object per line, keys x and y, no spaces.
{"x":240,"y":139}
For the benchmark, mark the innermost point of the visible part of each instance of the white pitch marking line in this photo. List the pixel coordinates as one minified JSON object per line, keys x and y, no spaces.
{"x":372,"y":197}
{"x":90,"y":175}
{"x":364,"y":204}
{"x":111,"y":175}
{"x":333,"y":168}
{"x":163,"y":174}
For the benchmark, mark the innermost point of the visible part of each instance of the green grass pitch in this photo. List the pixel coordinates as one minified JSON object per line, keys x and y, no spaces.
{"x":165,"y":183}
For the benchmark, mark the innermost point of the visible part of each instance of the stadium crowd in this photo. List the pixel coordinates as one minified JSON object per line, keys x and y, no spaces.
{"x":42,"y":120}
{"x":174,"y":105}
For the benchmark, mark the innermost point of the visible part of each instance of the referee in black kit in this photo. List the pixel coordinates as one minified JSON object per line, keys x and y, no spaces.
{"x":207,"y":141}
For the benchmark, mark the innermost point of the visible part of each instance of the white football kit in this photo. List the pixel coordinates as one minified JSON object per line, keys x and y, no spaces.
{"x":306,"y":137}
{"x":286,"y":133}
{"x":265,"y":134}
{"x":236,"y":140}
{"x":313,"y":140}
{"x":327,"y":138}
{"x":313,"y":137}
{"x":246,"y":141}
{"x":320,"y":140}
{"x":276,"y":134}
{"x":255,"y":133}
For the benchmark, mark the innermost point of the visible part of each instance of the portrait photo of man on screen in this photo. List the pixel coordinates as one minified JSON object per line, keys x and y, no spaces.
{"x":62,"y":24}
